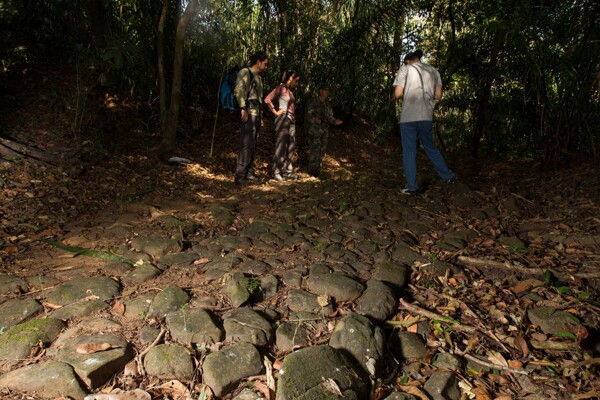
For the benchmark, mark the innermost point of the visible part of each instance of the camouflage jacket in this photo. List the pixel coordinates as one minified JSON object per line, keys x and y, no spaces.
{"x":317,"y":109}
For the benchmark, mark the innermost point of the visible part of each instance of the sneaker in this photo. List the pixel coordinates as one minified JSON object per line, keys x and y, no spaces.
{"x":451,"y":180}
{"x":251,"y":177}
{"x":278,"y":178}
{"x":408,"y":192}
{"x":290,"y":176}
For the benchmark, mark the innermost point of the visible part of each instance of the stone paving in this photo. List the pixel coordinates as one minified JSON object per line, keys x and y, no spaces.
{"x":215,"y":292}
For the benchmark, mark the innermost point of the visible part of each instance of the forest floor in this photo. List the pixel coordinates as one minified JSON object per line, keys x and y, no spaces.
{"x":520,"y":230}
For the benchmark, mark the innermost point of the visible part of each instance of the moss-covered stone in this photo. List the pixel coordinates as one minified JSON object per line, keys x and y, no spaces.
{"x":18,"y":341}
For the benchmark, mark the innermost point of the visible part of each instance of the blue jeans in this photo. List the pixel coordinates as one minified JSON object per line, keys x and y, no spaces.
{"x":423,"y":131}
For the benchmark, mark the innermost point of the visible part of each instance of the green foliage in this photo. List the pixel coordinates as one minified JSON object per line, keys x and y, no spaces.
{"x":524,"y":72}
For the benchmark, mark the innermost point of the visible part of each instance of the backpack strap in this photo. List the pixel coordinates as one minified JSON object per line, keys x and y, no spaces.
{"x":252,"y":83}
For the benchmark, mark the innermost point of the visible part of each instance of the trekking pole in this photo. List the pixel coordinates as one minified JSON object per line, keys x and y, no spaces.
{"x":212,"y":142}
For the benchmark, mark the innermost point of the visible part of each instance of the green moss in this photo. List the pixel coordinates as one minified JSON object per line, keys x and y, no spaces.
{"x":32,"y":331}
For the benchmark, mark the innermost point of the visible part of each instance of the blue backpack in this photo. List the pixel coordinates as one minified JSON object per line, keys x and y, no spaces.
{"x":228,"y":100}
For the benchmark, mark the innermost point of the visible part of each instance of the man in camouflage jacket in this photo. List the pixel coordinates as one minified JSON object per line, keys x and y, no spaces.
{"x":319,"y":117}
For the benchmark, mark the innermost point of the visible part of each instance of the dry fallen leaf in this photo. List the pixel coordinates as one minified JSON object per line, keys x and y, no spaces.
{"x":332,"y":387}
{"x":521,"y":344}
{"x":481,"y":394}
{"x":503,"y":397}
{"x":323,"y":300}
{"x":175,"y":388}
{"x":88,"y":348}
{"x":51,"y":305}
{"x":119,"y":308}
{"x":499,"y":379}
{"x":137,"y":394}
{"x":414,"y":391}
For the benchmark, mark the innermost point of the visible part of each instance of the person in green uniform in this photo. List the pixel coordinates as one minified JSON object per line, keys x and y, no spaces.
{"x":319,"y":117}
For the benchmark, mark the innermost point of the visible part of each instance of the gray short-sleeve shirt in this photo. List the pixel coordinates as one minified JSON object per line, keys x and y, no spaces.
{"x":419,"y":82}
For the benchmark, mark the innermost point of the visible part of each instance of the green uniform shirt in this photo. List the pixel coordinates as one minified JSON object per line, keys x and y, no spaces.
{"x":242,"y":86}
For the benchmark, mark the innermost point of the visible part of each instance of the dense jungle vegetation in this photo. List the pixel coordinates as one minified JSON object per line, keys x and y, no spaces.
{"x":521,"y":77}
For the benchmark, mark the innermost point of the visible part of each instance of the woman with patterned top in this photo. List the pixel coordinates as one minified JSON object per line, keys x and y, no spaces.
{"x":281,"y":103}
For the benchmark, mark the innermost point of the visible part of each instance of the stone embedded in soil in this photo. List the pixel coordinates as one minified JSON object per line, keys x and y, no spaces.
{"x":155,"y":247}
{"x":396,"y":275}
{"x":291,"y":334}
{"x":183,"y":259}
{"x":148,"y":334}
{"x":17,"y":342}
{"x":96,"y":368}
{"x":403,"y":254}
{"x":138,"y":307}
{"x":170,"y":299}
{"x":254,"y":267}
{"x":407,"y":345}
{"x":142,"y":273}
{"x":12,"y":285}
{"x":224,"y":369}
{"x":237,"y":288}
{"x":378,"y":301}
{"x":448,"y":361}
{"x":247,"y":325}
{"x":42,"y":282}
{"x":361,"y":339}
{"x":293,"y":277}
{"x":339,"y":286}
{"x":168,"y":361}
{"x":248,"y":394}
{"x":442,"y":385}
{"x":401,"y":396}
{"x":269,"y":285}
{"x":79,"y":309}
{"x":193,"y":326}
{"x":97,"y":287}
{"x":302,"y":377}
{"x":231,"y":243}
{"x":300,"y":300}
{"x":15,"y":311}
{"x":513,"y":243}
{"x":550,"y":320}
{"x":49,"y":380}
{"x":222,"y":215}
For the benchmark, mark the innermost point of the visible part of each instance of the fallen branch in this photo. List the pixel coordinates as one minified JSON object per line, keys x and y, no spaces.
{"x":479,"y":263}
{"x":140,"y":357}
{"x":495,"y":366}
{"x":581,"y":364}
{"x":490,"y":264}
{"x":449,"y":321}
{"x":438,"y":317}
{"x":17,"y":150}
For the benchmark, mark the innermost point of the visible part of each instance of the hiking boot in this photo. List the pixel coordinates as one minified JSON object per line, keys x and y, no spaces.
{"x":408,"y":192}
{"x":239,"y":181}
{"x":290,"y":176}
{"x":251,"y":177}
{"x":314,"y":172}
{"x":278,"y":178}
{"x":451,"y":180}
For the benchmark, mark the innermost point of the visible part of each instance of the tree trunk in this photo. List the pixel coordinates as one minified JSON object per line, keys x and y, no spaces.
{"x":162,"y":86}
{"x":169,"y":133}
{"x":96,"y":11}
{"x":484,"y":99}
{"x":282,"y":35}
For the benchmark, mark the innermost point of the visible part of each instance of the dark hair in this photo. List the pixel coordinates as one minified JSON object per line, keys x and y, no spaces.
{"x":289,"y":74}
{"x":258,"y":56}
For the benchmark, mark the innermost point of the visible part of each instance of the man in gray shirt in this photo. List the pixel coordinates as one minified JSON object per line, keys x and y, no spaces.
{"x":419,"y":85}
